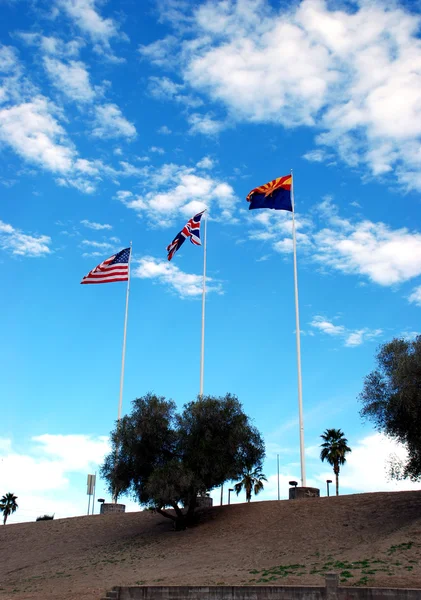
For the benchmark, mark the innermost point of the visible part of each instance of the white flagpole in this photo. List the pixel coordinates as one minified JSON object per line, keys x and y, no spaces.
{"x":297,"y":328}
{"x":123,"y":357}
{"x":202,"y":353}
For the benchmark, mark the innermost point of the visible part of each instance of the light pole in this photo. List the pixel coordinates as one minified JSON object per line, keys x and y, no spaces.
{"x":279,"y":494}
{"x":229,"y":494}
{"x":327,"y":485}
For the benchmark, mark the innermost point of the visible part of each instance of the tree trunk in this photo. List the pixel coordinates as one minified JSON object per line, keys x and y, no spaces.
{"x":336,"y":471}
{"x":181,"y":520}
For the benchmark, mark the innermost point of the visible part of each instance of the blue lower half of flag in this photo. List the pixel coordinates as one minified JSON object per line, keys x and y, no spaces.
{"x":278,"y":200}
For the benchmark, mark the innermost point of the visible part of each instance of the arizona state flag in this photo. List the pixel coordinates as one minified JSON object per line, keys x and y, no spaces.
{"x":276,"y":194}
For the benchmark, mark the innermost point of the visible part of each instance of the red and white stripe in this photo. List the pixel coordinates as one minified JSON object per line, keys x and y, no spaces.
{"x":107,"y":273}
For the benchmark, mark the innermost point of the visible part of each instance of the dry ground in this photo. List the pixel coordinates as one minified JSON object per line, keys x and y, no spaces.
{"x":370,"y":539}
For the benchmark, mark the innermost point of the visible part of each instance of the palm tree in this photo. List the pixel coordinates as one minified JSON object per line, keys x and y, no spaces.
{"x":252,"y":481}
{"x":8,"y":505}
{"x":334,"y":450}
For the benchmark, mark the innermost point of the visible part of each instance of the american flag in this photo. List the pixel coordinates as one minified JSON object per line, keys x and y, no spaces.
{"x":115,"y":268}
{"x":190,"y":230}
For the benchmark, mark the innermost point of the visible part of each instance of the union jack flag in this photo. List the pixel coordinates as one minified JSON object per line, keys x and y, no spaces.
{"x":275,"y":194}
{"x":190,"y":230}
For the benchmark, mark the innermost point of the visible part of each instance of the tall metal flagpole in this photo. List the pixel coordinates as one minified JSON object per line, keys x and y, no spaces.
{"x":123,"y":357}
{"x":298,"y":337}
{"x":202,"y":353}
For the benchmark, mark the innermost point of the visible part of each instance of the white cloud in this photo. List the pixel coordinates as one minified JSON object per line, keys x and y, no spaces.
{"x":351,"y":338}
{"x":110,"y":123}
{"x":384,"y":255}
{"x":41,"y":477}
{"x":326,"y":326}
{"x":164,"y":88}
{"x":415,"y":296}
{"x":366,"y":468}
{"x":71,"y":78}
{"x":318,"y":155}
{"x":206,"y":163}
{"x":167,"y":273}
{"x":164,"y":130}
{"x":8,"y":59}
{"x":358,"y":337}
{"x":96,"y":226}
{"x":52,"y":45}
{"x":14,"y":241}
{"x":160,"y":52}
{"x":157,"y":150}
{"x":92,"y":254}
{"x":204,"y":124}
{"x":86,"y":16}
{"x":94,"y":244}
{"x":352,"y":72}
{"x":174,"y":189}
{"x":374,"y":250}
{"x":34,"y":133}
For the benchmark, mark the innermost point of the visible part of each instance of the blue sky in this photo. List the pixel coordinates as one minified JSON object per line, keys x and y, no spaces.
{"x":118,"y":122}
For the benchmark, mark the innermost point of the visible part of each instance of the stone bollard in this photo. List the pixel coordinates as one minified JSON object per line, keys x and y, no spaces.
{"x":303,"y":492}
{"x":332,"y":582}
{"x":112,"y":508}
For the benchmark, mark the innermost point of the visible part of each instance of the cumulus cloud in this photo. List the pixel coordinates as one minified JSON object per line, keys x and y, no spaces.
{"x":173,"y":189}
{"x":351,"y":338}
{"x":96,"y":226}
{"x":160,"y":52}
{"x":318,"y":156}
{"x":71,"y":78}
{"x":22,"y":244}
{"x":415,"y":296}
{"x":206,"y":163}
{"x":85,"y":15}
{"x":385,"y":255}
{"x":373,"y":250}
{"x":367,"y":467}
{"x":164,"y":88}
{"x":95,"y":244}
{"x":52,"y":45}
{"x":41,"y":477}
{"x":326,"y":326}
{"x":185,"y":285}
{"x":35,"y":134}
{"x":204,"y":124}
{"x":110,"y":123}
{"x":8,"y":59}
{"x":351,"y":73}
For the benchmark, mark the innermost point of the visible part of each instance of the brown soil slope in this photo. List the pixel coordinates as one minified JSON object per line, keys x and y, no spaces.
{"x":370,"y":539}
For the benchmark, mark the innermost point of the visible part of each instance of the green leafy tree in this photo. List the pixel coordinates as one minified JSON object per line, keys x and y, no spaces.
{"x":391,"y":399}
{"x":8,"y":505}
{"x":334,"y":450}
{"x":164,"y":459}
{"x":251,"y":481}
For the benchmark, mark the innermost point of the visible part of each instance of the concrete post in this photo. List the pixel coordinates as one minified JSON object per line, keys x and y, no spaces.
{"x":332,"y":582}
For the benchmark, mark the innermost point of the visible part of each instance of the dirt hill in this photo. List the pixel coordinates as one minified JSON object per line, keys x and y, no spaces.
{"x":370,"y":539}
